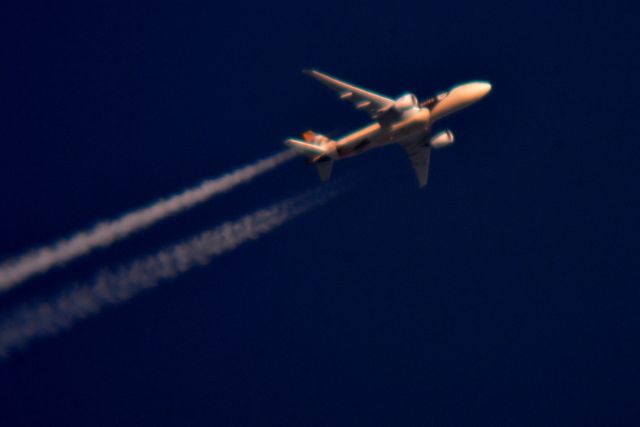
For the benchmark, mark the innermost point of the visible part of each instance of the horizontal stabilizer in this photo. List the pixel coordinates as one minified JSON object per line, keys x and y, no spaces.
{"x":305,"y":148}
{"x":324,"y":167}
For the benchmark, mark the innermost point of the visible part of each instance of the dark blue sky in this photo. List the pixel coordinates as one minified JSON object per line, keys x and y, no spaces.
{"x":505,"y":293}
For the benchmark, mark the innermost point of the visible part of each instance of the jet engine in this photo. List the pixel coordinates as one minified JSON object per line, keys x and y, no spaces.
{"x":442,"y":139}
{"x":406,"y":102}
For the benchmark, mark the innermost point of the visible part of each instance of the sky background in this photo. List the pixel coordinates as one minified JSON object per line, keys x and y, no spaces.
{"x":505,"y":293}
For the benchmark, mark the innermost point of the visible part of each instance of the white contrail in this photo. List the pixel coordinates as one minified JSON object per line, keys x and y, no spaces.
{"x":16,"y":270}
{"x":63,"y":310}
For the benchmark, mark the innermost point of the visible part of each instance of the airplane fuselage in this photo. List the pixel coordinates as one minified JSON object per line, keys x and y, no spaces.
{"x":405,"y":121}
{"x":413,"y":125}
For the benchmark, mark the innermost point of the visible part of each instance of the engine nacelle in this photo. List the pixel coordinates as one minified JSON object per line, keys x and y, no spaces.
{"x":442,"y":139}
{"x":406,"y":102}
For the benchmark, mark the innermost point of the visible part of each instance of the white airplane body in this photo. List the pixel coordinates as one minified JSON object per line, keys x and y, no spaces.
{"x":403,"y":121}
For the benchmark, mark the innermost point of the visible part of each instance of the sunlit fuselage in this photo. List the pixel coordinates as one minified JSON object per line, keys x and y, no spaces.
{"x":412,"y":124}
{"x":404,"y":121}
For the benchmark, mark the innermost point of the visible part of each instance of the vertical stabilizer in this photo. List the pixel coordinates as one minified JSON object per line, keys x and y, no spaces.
{"x":320,"y":150}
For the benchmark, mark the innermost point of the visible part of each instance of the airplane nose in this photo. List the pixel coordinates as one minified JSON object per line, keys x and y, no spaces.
{"x":482,"y":89}
{"x":460,"y":97}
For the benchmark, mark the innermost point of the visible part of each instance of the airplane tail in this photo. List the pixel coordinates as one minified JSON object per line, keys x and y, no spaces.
{"x":318,"y":149}
{"x":324,"y":167}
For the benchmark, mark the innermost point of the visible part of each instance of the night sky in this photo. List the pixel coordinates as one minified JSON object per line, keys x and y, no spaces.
{"x":506,"y":292}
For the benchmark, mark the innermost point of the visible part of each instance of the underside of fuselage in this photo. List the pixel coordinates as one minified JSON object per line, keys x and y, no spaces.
{"x":408,"y":129}
{"x":403,"y":120}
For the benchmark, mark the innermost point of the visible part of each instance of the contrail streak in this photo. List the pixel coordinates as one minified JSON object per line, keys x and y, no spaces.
{"x":112,"y":287}
{"x":16,"y":270}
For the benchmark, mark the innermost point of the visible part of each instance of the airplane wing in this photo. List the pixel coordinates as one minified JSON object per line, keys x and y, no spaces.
{"x":365,"y":100}
{"x":419,"y":156}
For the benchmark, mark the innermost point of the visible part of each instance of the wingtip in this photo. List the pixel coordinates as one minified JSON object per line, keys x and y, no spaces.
{"x":316,"y":74}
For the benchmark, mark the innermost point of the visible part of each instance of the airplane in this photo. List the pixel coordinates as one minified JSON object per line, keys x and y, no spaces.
{"x":404,"y":121}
